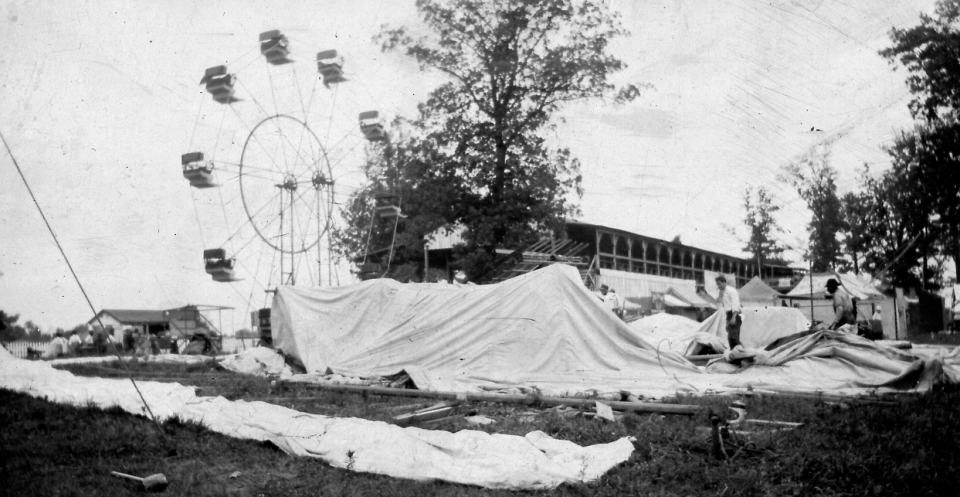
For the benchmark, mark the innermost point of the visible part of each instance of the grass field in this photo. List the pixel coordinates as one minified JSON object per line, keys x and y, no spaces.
{"x":908,"y":448}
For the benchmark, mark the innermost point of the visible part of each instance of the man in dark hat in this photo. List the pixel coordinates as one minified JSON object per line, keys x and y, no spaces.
{"x":842,"y":305}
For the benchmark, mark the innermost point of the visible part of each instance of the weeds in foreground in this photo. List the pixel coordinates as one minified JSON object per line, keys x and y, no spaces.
{"x":842,"y":449}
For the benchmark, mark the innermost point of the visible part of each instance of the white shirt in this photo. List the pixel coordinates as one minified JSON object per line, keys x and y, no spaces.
{"x":612,"y":301}
{"x":729,"y":300}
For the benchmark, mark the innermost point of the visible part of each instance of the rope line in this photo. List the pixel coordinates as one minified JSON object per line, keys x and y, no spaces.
{"x":77,"y":279}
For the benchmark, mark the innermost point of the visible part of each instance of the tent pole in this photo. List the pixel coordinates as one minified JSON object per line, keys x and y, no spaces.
{"x":683,"y":409}
{"x":811,"y":290}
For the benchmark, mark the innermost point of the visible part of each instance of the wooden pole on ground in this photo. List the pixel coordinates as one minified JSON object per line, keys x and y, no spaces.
{"x":687,"y":410}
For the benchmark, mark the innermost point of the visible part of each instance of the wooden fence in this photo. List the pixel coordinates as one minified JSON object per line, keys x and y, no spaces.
{"x":231,"y":345}
{"x":19,"y":349}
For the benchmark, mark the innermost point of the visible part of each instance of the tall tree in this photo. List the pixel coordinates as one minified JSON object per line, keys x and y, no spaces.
{"x":815,"y":180}
{"x":928,"y":52}
{"x":890,"y":232}
{"x":10,"y":331}
{"x":855,"y":210}
{"x":903,"y":227}
{"x":478,"y":144}
{"x":927,"y":158}
{"x":762,"y":227}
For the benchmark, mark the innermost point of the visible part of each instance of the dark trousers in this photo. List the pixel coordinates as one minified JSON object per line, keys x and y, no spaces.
{"x":733,"y":331}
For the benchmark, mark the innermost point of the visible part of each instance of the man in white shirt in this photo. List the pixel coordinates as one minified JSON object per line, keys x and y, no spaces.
{"x":616,"y":303}
{"x":610,"y":299}
{"x":729,"y":301}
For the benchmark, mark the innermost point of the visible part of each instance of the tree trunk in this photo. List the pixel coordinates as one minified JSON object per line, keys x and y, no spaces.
{"x":923,"y":273}
{"x":759,"y":266}
{"x":955,"y":244}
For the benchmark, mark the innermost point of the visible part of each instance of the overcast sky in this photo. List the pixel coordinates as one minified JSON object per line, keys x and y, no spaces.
{"x":99,"y":100}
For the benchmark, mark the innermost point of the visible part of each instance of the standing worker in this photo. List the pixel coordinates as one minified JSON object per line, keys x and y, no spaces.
{"x":610,"y":299}
{"x":842,"y":305}
{"x":729,"y":301}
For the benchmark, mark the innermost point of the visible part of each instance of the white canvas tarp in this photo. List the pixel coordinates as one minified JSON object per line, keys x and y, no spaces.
{"x":761,"y":327}
{"x":534,"y":461}
{"x":542,"y":330}
{"x":542,"y":333}
{"x":667,"y":331}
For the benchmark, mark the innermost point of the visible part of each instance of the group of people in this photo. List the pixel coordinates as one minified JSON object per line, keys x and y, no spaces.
{"x":98,"y":342}
{"x":141,"y":344}
{"x":728,"y":303}
{"x":135,"y":341}
{"x":69,"y":344}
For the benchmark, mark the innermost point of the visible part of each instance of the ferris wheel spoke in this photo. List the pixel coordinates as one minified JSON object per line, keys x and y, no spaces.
{"x":259,"y":170}
{"x":299,"y":94}
{"x":268,"y":224}
{"x":298,"y":148}
{"x":336,"y":93}
{"x":276,"y":123}
{"x":237,"y":165}
{"x":276,"y":166}
{"x":254,"y":98}
{"x":299,"y":223}
{"x":357,"y":142}
{"x":303,"y":132}
{"x":336,"y":162}
{"x":255,"y":214}
{"x":224,"y":164}
{"x":272,"y":180}
{"x":305,"y":222}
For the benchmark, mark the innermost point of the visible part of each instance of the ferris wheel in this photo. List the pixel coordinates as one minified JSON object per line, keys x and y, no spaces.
{"x":277,"y":142}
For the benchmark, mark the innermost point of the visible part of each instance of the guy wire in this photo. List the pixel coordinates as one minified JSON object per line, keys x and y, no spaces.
{"x":82,"y":290}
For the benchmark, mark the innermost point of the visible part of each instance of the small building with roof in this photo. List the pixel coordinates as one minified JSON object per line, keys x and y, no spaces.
{"x":146,"y":320}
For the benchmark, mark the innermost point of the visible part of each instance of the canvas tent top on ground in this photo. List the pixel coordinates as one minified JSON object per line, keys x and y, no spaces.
{"x":544,"y":333}
{"x":544,"y":327}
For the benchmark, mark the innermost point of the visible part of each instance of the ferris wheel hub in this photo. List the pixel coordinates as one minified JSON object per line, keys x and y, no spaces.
{"x":319,"y":181}
{"x":289,"y":183}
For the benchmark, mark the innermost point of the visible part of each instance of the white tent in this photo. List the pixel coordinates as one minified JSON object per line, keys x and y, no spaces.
{"x":757,"y":293}
{"x":815,"y":285}
{"x":542,"y":330}
{"x":545,"y":333}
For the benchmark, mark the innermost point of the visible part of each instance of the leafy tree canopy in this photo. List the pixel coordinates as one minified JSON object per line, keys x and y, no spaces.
{"x":814,"y":178}
{"x":476,"y":155}
{"x":929,"y":54}
{"x":762,"y":227}
{"x":925,"y":177}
